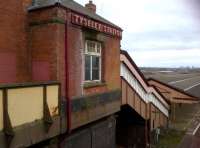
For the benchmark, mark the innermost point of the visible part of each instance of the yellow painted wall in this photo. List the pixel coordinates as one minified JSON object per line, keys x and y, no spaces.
{"x":52,"y":99}
{"x":25,"y":105}
{"x":1,"y":110}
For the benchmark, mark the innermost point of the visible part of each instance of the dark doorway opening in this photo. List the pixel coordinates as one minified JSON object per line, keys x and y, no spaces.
{"x":130,"y":131}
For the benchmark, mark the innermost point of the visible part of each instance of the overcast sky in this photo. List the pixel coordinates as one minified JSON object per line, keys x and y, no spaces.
{"x":157,"y":33}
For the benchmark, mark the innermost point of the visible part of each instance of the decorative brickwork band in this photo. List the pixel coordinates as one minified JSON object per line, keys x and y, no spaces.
{"x":85,"y":102}
{"x":95,"y":25}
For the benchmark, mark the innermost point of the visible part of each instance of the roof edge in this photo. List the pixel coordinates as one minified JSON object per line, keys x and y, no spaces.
{"x":124,"y":52}
{"x":58,"y":3}
{"x":175,"y":88}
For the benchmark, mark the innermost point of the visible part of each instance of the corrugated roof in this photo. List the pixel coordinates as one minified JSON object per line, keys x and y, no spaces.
{"x":70,"y":4}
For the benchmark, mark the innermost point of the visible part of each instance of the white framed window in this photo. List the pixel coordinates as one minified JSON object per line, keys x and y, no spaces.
{"x":92,"y":61}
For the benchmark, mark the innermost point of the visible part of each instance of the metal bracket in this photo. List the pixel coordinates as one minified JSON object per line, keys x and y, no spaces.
{"x":46,"y":113}
{"x":7,"y":126}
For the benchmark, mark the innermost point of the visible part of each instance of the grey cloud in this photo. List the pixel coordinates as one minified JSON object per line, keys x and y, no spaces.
{"x":165,"y":39}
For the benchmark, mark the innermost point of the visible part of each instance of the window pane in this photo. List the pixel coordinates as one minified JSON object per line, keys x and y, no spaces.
{"x":91,"y":46}
{"x":95,"y":62}
{"x":87,"y":68}
{"x":98,"y":48}
{"x":95,"y":74}
{"x":95,"y":67}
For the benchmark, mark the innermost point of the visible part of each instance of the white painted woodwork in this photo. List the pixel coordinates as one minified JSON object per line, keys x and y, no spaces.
{"x":146,"y":96}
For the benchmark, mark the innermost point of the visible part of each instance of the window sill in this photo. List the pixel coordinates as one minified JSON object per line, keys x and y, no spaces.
{"x":93,"y":84}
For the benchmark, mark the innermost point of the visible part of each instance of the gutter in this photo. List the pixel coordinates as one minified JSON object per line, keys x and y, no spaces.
{"x":67,"y":80}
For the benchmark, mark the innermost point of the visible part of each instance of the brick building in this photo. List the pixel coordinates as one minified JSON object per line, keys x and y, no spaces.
{"x":60,"y":84}
{"x":73,"y":45}
{"x":65,"y":56}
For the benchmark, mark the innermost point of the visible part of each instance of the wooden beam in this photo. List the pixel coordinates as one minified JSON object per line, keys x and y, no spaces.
{"x":7,"y":126}
{"x":46,"y":112}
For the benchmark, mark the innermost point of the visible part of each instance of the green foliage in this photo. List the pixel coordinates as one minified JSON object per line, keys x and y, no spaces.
{"x":170,"y":139}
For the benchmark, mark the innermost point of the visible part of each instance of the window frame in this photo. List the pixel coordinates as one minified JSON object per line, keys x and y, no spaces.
{"x":91,"y":54}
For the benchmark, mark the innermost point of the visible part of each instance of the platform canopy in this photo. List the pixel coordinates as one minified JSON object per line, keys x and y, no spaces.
{"x":173,"y":94}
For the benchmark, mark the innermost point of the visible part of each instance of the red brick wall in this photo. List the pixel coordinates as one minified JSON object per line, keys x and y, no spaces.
{"x":44,"y":38}
{"x":95,"y":90}
{"x":47,"y":40}
{"x":48,"y":47}
{"x":110,"y":63}
{"x":75,"y":61}
{"x":38,"y":51}
{"x":43,"y":49}
{"x":13,"y":41}
{"x":7,"y":67}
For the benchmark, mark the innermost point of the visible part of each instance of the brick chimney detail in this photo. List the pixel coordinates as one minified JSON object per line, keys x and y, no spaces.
{"x":90,"y":6}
